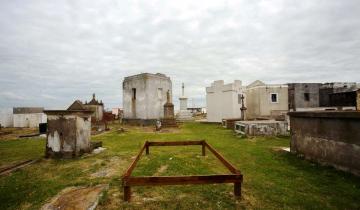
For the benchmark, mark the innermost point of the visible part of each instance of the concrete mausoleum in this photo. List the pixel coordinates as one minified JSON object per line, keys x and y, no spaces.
{"x":322,"y":96}
{"x":69,"y":131}
{"x":144,"y":97}
{"x":266,"y":100}
{"x":223,"y":100}
{"x":97,"y":107}
{"x":303,"y":96}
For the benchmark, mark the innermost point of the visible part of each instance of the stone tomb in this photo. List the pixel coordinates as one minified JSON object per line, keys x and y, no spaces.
{"x":68,"y":133}
{"x":327,"y":137}
{"x":229,"y":123}
{"x":261,"y":128}
{"x":144,"y":96}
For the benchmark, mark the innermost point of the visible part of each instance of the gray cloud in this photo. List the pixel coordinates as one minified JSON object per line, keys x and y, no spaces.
{"x":53,"y":52}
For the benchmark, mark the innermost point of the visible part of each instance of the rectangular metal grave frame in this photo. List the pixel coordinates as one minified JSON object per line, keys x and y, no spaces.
{"x":234,"y":177}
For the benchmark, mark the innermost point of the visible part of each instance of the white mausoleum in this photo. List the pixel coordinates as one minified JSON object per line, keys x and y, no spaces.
{"x":28,"y":117}
{"x":223,"y":101}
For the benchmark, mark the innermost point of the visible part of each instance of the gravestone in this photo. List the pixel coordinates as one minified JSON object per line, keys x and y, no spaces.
{"x":169,"y":119}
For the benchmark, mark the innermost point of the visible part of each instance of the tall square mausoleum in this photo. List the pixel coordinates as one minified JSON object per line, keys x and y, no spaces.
{"x":144,"y":96}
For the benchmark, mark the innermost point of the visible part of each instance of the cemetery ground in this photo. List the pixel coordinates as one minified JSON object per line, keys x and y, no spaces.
{"x":273,"y":178}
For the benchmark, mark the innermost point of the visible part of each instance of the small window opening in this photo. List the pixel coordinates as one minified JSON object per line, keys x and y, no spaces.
{"x":274,"y":97}
{"x":134,"y":94}
{"x":306,"y":96}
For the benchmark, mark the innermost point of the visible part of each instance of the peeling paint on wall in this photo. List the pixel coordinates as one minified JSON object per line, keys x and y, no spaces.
{"x":68,"y":133}
{"x":53,"y":141}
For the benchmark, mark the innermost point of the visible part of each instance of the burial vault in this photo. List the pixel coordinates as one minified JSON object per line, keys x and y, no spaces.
{"x":144,"y":97}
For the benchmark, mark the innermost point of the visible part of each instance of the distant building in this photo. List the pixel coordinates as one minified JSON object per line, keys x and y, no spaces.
{"x":28,"y":117}
{"x":330,"y":92}
{"x":222,"y":100}
{"x":118,"y":112}
{"x":97,"y":108}
{"x":6,"y":117}
{"x":266,"y":100}
{"x":343,"y":99}
{"x":144,"y":97}
{"x":318,"y":96}
{"x":303,"y":95}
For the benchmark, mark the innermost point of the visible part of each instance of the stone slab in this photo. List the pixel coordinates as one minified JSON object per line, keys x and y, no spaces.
{"x":76,"y":198}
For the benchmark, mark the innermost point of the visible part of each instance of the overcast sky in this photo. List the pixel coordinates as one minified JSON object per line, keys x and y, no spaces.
{"x":53,"y":52}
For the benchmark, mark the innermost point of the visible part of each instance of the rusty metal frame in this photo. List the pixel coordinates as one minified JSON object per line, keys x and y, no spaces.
{"x":128,"y":181}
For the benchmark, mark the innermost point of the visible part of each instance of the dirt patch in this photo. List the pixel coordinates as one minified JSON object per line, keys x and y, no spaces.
{"x":181,"y":196}
{"x":247,"y":200}
{"x":161,"y":170}
{"x":79,"y":198}
{"x":112,"y":168}
{"x":113,"y":200}
{"x":146,"y":197}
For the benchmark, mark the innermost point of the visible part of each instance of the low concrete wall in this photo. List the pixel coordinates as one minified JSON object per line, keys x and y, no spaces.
{"x":328,"y":137}
{"x":261,"y":128}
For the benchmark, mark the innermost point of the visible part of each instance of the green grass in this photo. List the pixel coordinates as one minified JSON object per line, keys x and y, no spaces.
{"x":272,"y":179}
{"x":12,"y":151}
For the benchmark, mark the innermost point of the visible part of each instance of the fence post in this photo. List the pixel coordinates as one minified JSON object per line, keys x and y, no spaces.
{"x":237,"y":189}
{"x":127,"y":193}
